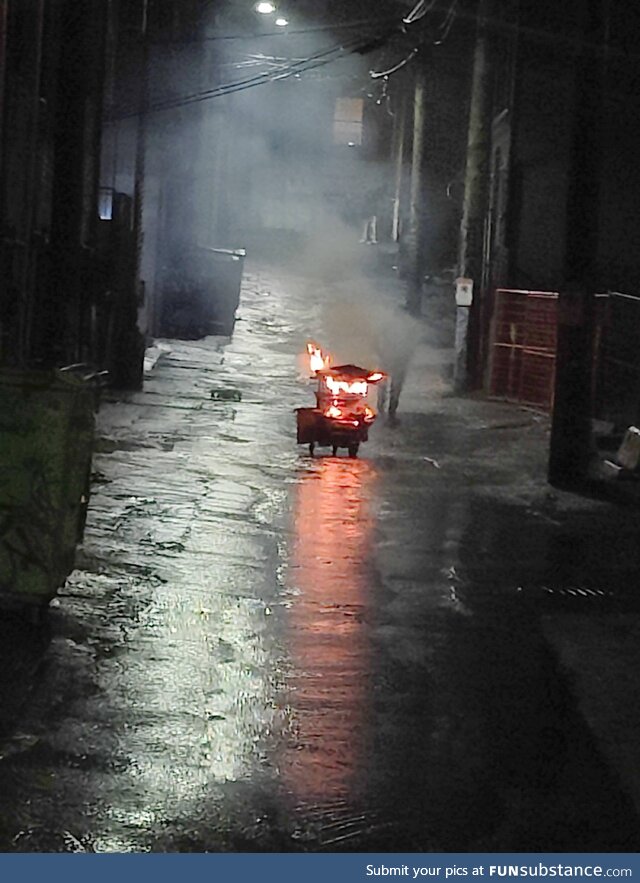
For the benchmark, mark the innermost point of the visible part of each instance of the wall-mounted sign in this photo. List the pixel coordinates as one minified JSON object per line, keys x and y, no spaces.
{"x":464,"y":291}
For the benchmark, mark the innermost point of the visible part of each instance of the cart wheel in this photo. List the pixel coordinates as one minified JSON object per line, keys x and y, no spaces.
{"x":334,"y":450}
{"x":353,"y":449}
{"x":312,"y":447}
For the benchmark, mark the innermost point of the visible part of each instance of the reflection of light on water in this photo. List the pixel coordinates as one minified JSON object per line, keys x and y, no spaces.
{"x":197,"y":699}
{"x":211,"y":674}
{"x":328,"y":648}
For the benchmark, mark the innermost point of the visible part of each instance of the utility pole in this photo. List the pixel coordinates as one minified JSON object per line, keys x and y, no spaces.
{"x":476,"y":186}
{"x":415,"y":229}
{"x":141,"y":135}
{"x":398,"y":157}
{"x":570,"y":445}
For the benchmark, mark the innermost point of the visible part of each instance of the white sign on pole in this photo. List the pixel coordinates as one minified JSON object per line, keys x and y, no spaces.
{"x":464,"y":291}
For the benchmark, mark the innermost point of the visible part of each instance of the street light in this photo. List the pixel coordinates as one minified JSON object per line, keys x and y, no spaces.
{"x":265,"y":7}
{"x":281,"y":22}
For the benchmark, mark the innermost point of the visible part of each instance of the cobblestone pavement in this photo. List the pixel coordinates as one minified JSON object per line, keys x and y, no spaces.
{"x":260,"y":650}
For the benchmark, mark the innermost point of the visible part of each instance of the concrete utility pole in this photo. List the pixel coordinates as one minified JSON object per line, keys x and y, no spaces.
{"x":141,"y":134}
{"x":398,"y":157}
{"x":414,"y":237}
{"x":570,"y":445}
{"x":476,"y":186}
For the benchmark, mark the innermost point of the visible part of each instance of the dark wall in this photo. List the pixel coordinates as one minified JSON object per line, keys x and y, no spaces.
{"x":541,"y":149}
{"x":60,"y":265}
{"x":547,"y":90}
{"x":619,"y":249}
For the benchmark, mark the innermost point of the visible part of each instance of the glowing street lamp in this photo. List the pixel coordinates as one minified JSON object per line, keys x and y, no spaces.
{"x":281,"y":22}
{"x":265,"y":7}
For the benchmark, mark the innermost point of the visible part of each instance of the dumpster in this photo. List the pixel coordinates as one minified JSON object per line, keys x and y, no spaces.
{"x":46,"y":441}
{"x":201,"y":293}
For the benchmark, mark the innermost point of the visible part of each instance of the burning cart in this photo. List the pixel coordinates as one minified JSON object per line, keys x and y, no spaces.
{"x":342,"y":415}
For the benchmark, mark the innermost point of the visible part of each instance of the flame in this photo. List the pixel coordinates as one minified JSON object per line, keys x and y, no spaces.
{"x":375,"y":377}
{"x":317,"y":359}
{"x":357,"y":388}
{"x":354,"y":418}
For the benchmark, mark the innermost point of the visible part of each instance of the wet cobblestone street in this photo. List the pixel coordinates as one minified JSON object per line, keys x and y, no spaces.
{"x":263,"y":651}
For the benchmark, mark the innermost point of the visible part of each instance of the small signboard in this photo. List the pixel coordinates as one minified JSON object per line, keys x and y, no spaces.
{"x":464,"y":291}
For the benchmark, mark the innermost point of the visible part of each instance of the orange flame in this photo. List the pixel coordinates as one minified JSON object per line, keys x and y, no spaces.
{"x":352,"y":417}
{"x":317,"y":359}
{"x":357,"y":388}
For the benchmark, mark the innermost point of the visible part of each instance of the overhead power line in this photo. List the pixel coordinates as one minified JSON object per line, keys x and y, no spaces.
{"x":419,"y":11}
{"x":447,"y":23}
{"x":377,"y":74}
{"x":285,"y":71}
{"x":281,"y":70}
{"x":284,"y":32}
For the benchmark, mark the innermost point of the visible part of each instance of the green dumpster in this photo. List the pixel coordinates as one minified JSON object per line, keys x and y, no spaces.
{"x":46,"y":441}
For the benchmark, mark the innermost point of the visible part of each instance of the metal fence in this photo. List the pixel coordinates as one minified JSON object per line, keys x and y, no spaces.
{"x":523,"y":352}
{"x":523,"y":349}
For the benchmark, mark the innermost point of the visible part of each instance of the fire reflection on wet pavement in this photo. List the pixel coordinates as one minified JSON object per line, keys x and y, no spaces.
{"x":260,"y":650}
{"x":327,"y":643}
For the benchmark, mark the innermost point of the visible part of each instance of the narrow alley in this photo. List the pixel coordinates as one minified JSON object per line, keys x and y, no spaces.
{"x":263,"y":651}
